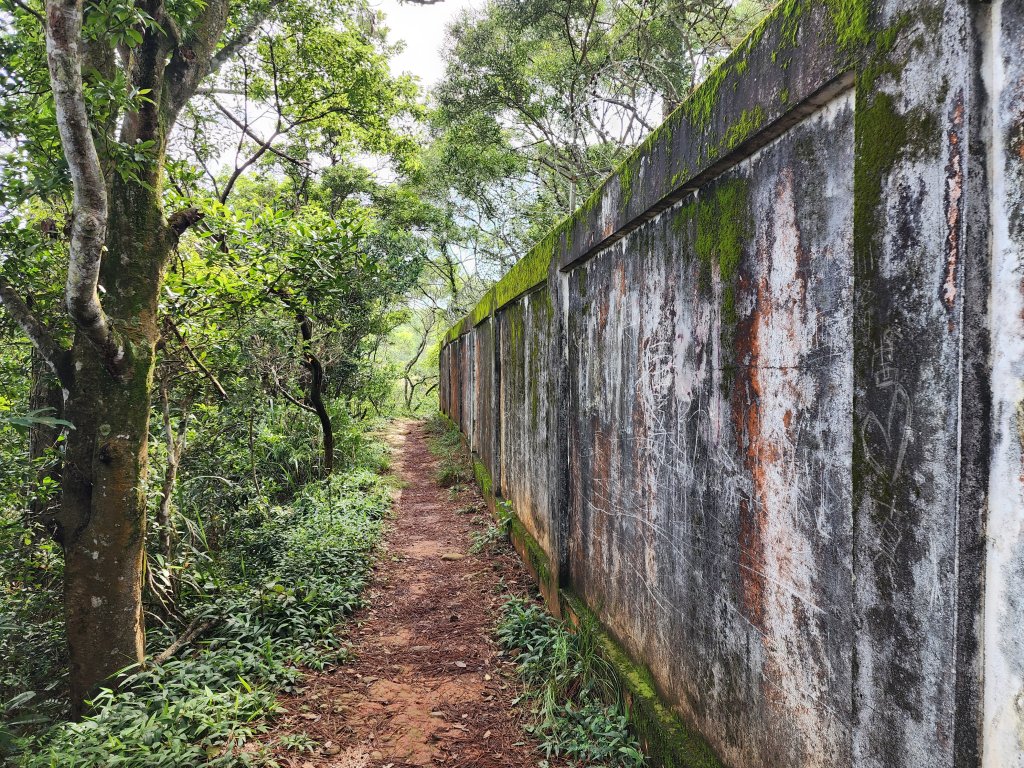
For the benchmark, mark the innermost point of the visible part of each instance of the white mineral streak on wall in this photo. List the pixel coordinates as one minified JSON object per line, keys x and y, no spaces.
{"x":1004,"y":603}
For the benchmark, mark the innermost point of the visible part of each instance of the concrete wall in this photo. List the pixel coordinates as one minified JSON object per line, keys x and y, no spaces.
{"x":758,"y":403}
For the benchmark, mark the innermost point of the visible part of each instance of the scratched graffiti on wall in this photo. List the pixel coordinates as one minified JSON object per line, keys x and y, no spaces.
{"x":724,"y":397}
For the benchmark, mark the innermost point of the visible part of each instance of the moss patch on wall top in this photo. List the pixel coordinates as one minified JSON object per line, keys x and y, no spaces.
{"x":851,"y":32}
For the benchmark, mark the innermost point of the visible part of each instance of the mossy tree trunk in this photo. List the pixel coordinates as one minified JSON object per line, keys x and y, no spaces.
{"x":103,"y":515}
{"x":119,"y":246}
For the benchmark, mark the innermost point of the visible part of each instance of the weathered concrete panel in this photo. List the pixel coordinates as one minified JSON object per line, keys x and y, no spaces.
{"x":530,"y":460}
{"x":710,"y":448}
{"x":484,"y":433}
{"x":1004,"y":583}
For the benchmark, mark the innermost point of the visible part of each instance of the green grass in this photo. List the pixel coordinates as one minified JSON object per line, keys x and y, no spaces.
{"x":569,"y":686}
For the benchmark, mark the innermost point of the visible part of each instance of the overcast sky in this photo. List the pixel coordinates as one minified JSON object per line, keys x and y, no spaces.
{"x":422,"y":28}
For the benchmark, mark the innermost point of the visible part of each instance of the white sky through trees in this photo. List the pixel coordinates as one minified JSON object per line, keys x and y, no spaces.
{"x":422,"y":27}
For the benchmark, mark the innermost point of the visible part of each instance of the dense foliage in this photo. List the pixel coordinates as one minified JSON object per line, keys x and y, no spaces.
{"x":270,"y":591}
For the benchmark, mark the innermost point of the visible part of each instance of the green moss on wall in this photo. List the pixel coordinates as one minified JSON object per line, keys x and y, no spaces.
{"x":536,"y":557}
{"x":483,"y":478}
{"x":723,"y":226}
{"x":530,"y":271}
{"x":666,"y":739}
{"x":483,"y":309}
{"x":852,"y":22}
{"x":746,"y":126}
{"x":627,"y":178}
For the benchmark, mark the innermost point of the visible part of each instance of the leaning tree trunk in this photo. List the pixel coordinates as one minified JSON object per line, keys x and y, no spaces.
{"x":103,"y":523}
{"x":316,"y":390}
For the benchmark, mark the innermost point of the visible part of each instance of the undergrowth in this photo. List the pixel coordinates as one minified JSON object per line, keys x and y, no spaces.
{"x":273,"y":596}
{"x":453,"y":467}
{"x":568,"y":685}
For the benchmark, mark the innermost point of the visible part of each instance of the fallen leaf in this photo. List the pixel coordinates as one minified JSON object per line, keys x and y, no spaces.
{"x":487,"y":734}
{"x":460,"y":664}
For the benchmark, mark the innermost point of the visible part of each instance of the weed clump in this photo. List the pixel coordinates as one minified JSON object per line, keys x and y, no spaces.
{"x":570,"y":686}
{"x":453,"y":466}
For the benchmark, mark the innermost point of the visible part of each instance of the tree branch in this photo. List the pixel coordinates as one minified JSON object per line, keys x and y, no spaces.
{"x":190,"y":62}
{"x":180,"y":221}
{"x":42,"y":339}
{"x":192,"y":632}
{"x":89,"y":208}
{"x":28,"y":10}
{"x":290,"y":398}
{"x":199,"y":363}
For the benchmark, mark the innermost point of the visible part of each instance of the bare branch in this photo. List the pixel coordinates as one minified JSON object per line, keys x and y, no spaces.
{"x":255,"y":136}
{"x":89,"y":209}
{"x":40,"y":336}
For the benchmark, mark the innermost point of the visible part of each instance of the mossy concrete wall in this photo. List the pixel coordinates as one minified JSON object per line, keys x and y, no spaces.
{"x":759,"y":401}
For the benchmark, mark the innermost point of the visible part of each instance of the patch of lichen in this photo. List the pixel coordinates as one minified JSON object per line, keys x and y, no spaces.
{"x":666,"y":739}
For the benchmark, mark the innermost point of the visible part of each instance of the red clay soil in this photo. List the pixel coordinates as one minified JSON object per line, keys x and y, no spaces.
{"x":428,"y":685}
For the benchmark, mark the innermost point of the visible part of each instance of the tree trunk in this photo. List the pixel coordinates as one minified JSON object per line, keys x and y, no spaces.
{"x":316,"y":390}
{"x":103,"y":516}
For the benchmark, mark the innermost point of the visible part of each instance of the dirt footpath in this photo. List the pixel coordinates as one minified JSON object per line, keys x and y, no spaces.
{"x":428,"y":686}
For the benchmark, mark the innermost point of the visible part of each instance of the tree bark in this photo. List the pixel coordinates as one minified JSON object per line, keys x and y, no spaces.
{"x":103,"y":515}
{"x":120,"y":242}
